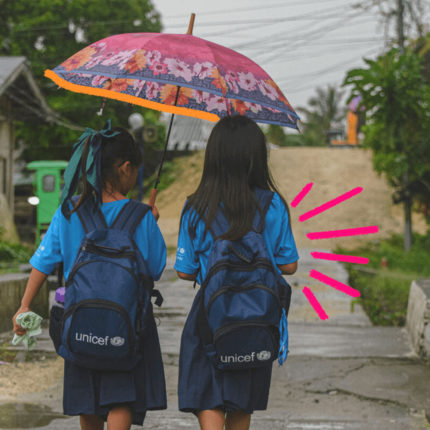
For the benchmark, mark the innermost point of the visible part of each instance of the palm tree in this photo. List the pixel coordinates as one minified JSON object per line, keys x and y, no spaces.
{"x":325,"y":113}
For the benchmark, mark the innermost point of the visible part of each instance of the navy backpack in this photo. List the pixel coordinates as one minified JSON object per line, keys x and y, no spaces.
{"x":243,"y":297}
{"x":108,"y":292}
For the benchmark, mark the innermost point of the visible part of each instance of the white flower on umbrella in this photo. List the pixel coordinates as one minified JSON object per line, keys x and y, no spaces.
{"x":179,"y":69}
{"x":94,"y":61}
{"x":138,"y":85}
{"x":214,"y":102}
{"x":153,"y":57}
{"x":98,"y":80}
{"x":100,"y":46}
{"x":247,"y":81}
{"x":152,"y":90}
{"x":198,"y":96}
{"x":120,"y":58}
{"x":158,"y":68}
{"x":267,"y":90}
{"x":273,"y":110}
{"x":254,"y":107}
{"x":231,"y":79}
{"x":203,"y":70}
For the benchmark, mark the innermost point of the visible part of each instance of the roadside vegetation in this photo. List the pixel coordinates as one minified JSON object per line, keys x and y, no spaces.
{"x":385,"y":281}
{"x":12,"y":255}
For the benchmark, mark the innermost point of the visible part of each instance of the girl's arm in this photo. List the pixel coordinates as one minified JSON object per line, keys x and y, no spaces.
{"x":288,"y":269}
{"x":186,"y":276}
{"x":35,"y":281}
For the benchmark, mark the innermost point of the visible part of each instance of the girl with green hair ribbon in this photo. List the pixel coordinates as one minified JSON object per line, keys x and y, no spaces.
{"x":85,"y":163}
{"x":106,"y":163}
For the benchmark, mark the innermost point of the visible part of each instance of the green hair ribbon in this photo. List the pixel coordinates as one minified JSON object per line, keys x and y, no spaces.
{"x":73,"y":172}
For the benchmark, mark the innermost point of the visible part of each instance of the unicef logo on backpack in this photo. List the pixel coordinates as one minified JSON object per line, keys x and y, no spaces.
{"x":117,"y":341}
{"x":264,"y":355}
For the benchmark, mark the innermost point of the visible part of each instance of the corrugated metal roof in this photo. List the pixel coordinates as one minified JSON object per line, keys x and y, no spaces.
{"x":10,"y":67}
{"x":189,"y":133}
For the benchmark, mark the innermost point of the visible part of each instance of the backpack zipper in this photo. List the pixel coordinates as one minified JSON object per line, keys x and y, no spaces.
{"x":225,"y":264}
{"x":223,"y":330}
{"x":83,"y":263}
{"x":108,"y":251}
{"x":239,"y":289}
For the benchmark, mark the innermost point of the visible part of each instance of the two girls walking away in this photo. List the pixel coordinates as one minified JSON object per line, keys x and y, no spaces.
{"x":234,"y":230}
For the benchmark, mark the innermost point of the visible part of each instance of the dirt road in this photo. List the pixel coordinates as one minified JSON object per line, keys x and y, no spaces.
{"x":333,"y":172}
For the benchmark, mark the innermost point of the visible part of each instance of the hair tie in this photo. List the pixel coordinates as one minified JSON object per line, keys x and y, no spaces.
{"x":73,"y":172}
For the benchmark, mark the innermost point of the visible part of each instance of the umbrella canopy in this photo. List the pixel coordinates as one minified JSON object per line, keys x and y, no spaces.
{"x":176,"y":73}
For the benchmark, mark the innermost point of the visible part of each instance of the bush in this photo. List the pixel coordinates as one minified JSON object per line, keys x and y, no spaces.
{"x":12,"y":254}
{"x":385,"y":290}
{"x":384,"y":299}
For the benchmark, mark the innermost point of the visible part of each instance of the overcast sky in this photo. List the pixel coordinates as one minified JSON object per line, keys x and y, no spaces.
{"x":302,"y":44}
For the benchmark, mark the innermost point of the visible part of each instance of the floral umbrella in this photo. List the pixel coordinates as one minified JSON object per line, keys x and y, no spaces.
{"x":146,"y":68}
{"x":176,"y":73}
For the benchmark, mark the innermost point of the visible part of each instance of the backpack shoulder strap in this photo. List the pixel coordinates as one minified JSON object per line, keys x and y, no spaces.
{"x":264,"y":198}
{"x":130,"y":216}
{"x":219,"y":225}
{"x":90,"y":215}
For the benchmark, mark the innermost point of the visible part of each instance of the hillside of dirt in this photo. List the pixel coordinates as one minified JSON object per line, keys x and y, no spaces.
{"x":333,"y":171}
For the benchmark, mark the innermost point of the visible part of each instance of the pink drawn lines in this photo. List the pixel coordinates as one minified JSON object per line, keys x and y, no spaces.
{"x":339,"y":257}
{"x":335,"y":284}
{"x":329,"y":234}
{"x":315,"y":303}
{"x":342,"y":233}
{"x":330,"y":204}
{"x":302,"y":194}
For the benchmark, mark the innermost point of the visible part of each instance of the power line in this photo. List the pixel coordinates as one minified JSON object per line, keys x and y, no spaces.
{"x":321,"y":72}
{"x":312,"y":35}
{"x":241,"y":9}
{"x":314,"y":15}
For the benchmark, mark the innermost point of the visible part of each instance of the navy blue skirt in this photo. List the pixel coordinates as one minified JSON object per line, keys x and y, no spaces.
{"x":202,"y":386}
{"x":95,"y":392}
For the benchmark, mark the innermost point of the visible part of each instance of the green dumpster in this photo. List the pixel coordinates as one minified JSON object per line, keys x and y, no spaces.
{"x":48,"y":184}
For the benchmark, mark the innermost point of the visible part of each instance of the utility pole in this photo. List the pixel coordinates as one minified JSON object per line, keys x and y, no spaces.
{"x":400,"y":31}
{"x":407,"y":199}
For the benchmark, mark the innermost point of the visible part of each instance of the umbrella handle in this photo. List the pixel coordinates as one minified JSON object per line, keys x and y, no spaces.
{"x":152,"y":197}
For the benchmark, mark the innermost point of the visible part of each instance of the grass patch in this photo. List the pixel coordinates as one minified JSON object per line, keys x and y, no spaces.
{"x":12,"y":255}
{"x":6,"y":354}
{"x":385,"y":290}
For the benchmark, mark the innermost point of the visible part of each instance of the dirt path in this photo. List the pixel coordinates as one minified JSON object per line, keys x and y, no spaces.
{"x":333,"y":171}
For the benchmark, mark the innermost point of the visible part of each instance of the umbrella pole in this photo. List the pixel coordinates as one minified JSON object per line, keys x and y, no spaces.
{"x":154,"y":191}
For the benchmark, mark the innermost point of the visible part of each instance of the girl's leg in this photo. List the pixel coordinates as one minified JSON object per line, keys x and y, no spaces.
{"x":211,"y":419}
{"x":91,"y":422}
{"x":119,"y":418}
{"x":237,"y":420}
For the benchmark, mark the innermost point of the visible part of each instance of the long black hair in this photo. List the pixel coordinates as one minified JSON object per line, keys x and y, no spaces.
{"x":115,"y":150}
{"x":235,"y":164}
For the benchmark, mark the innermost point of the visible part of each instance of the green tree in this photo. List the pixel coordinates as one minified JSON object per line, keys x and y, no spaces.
{"x":396,"y":97}
{"x":275,"y":134}
{"x":325,"y":113}
{"x":49,"y":31}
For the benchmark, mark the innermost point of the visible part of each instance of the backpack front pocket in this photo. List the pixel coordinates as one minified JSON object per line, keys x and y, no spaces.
{"x":254,"y":302}
{"x":245,"y":345}
{"x":99,"y":329}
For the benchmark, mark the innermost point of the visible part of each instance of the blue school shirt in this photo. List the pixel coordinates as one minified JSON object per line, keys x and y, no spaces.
{"x":193,"y":254}
{"x":62,"y":240}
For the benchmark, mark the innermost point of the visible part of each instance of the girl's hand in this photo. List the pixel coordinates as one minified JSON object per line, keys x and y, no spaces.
{"x":17,"y":328}
{"x":155,"y":212}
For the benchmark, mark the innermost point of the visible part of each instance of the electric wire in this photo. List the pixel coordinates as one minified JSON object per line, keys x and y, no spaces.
{"x":241,"y":9}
